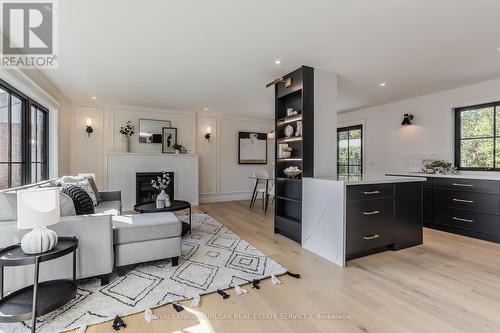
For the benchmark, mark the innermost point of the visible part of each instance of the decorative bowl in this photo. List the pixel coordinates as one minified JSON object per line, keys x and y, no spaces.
{"x":292,"y":173}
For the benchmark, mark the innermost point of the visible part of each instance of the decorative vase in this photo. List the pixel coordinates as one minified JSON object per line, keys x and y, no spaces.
{"x":167,"y":201}
{"x":160,"y":199}
{"x":127,"y":144}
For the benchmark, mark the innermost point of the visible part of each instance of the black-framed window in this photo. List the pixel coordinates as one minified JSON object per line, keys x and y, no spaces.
{"x":23,"y":139}
{"x":350,"y":150}
{"x":477,"y":137}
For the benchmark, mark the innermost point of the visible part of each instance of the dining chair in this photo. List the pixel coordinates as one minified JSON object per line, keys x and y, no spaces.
{"x":260,"y":179}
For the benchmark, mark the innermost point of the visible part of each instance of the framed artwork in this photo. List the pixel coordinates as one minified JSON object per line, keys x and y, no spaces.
{"x":252,"y":148}
{"x":150,"y":130}
{"x":169,"y":140}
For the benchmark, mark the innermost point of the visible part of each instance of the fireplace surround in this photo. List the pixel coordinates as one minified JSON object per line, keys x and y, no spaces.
{"x":145,"y":192}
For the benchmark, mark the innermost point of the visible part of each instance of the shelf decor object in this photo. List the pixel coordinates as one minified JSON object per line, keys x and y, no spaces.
{"x":294,"y":125}
{"x":37,"y":209}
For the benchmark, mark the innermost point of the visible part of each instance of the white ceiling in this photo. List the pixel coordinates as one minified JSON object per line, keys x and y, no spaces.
{"x":188,"y":54}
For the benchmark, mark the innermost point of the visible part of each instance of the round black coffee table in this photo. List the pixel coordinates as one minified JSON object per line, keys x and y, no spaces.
{"x":40,"y":298}
{"x":175,"y":205}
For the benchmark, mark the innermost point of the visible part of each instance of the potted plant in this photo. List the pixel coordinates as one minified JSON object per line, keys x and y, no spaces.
{"x":127,"y":131}
{"x":161,"y":183}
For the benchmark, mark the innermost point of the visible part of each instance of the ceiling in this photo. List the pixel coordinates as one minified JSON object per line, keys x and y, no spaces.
{"x":191,"y":54}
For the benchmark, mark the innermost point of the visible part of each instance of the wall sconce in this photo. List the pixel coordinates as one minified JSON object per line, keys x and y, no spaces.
{"x":89,"y":128}
{"x":407,"y":118}
{"x":208,"y":134}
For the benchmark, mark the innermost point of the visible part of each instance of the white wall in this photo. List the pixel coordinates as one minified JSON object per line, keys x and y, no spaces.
{"x":388,"y":146}
{"x":325,"y":123}
{"x":221,"y":178}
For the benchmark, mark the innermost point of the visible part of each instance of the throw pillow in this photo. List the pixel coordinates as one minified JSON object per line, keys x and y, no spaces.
{"x":94,"y":188}
{"x":67,"y":206}
{"x":84,"y":185}
{"x":81,"y":199}
{"x":8,"y":206}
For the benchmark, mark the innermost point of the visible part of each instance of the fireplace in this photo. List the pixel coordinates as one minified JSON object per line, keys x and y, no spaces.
{"x":143,"y":189}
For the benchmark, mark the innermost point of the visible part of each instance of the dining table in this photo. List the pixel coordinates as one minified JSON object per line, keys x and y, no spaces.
{"x":265,"y":199}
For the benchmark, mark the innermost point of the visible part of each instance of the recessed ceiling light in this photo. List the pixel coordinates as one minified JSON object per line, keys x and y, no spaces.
{"x":205,"y":109}
{"x":93,"y":97}
{"x":382,"y":84}
{"x":277,"y":61}
{"x":498,"y":48}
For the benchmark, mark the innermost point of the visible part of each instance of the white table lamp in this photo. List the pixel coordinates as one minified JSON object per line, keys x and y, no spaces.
{"x":37,"y":209}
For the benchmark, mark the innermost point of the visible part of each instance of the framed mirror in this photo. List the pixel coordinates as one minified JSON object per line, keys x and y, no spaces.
{"x":252,"y":148}
{"x":150,"y":130}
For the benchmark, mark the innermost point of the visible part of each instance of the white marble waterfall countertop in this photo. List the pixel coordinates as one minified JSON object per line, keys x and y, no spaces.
{"x":468,"y":175}
{"x":372,"y":179}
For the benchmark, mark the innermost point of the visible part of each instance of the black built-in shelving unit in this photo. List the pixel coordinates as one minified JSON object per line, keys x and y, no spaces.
{"x":300,"y":97}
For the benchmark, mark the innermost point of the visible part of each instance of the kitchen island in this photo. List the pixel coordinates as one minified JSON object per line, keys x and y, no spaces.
{"x":350,"y":217}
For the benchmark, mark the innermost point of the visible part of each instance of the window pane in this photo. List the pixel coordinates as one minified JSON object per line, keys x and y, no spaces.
{"x":476,"y":153}
{"x":17,"y":129}
{"x":343,"y":148}
{"x":16,"y":175}
{"x":354,"y":170}
{"x":40,"y":138}
{"x":355,"y":134}
{"x":4,"y":176}
{"x":33,"y":172}
{"x":477,"y":123}
{"x":342,"y":170}
{"x":33,"y":134}
{"x":4,"y":126}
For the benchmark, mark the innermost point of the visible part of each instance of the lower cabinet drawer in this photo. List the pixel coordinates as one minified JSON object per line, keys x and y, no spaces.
{"x":467,"y":220}
{"x":368,"y":212}
{"x":480,"y":202}
{"x":369,"y":237}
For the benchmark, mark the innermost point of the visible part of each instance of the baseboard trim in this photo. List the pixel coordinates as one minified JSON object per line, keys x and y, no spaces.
{"x":209,"y":198}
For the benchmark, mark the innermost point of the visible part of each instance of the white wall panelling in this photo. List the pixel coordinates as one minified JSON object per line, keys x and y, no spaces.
{"x":220,"y":176}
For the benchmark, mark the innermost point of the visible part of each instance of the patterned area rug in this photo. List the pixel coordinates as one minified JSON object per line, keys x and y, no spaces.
{"x":212,"y":258}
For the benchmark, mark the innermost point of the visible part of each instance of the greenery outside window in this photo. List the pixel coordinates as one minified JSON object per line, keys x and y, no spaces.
{"x":477,"y":137}
{"x":350,"y":150}
{"x":23,"y":139}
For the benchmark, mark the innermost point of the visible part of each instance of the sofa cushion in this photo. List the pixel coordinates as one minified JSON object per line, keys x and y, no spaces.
{"x":81,"y":200}
{"x":109,"y":208}
{"x":144,"y":227}
{"x":8,"y":206}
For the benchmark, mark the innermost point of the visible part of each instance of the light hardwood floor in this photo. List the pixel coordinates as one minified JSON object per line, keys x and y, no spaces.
{"x":449,"y":284}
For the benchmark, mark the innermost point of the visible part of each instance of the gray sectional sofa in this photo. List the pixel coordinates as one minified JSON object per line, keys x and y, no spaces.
{"x":95,"y":255}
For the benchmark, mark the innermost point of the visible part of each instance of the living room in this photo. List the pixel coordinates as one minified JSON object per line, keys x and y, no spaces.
{"x":249,"y":167}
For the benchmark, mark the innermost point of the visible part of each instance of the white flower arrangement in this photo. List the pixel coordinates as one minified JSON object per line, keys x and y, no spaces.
{"x":161,"y":183}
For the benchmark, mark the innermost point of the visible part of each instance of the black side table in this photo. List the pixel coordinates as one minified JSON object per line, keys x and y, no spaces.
{"x":175,"y":205}
{"x":40,"y":298}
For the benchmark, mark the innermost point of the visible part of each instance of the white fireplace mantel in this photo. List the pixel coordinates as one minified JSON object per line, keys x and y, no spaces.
{"x":121,"y":169}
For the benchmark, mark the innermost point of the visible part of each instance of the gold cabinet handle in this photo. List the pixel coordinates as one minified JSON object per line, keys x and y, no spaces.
{"x":371,"y":192}
{"x":375,"y":212}
{"x":463,"y":185}
{"x":463,"y":200}
{"x":462,"y":220}
{"x":370,"y":237}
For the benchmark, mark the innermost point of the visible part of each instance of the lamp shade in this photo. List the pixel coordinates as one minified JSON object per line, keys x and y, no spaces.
{"x":37,"y":208}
